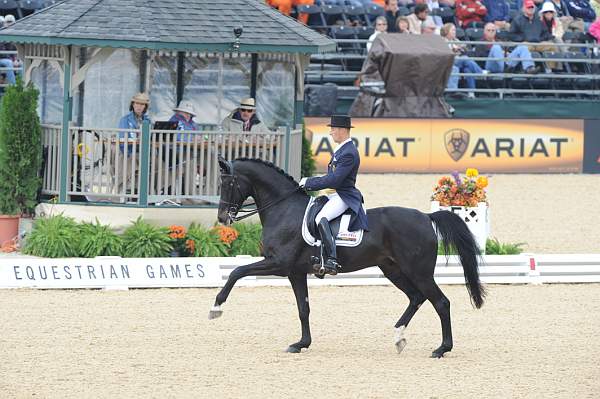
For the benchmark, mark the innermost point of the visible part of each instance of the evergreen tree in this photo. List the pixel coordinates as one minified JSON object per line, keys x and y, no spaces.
{"x":20,"y":150}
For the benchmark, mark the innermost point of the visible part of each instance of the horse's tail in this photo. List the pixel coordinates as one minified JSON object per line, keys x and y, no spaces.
{"x":456,"y":235}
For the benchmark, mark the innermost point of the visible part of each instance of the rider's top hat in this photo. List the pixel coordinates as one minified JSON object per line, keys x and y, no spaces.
{"x":341,"y":121}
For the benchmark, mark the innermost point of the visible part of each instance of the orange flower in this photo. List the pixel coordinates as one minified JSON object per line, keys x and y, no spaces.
{"x":227,"y":234}
{"x":190,"y":245}
{"x":482,"y":182}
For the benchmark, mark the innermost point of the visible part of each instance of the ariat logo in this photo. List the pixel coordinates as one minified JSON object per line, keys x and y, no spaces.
{"x":457,"y":142}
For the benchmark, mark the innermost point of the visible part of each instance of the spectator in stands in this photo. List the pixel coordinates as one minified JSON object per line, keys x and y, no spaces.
{"x":428,"y":27}
{"x":244,"y":119}
{"x":580,"y":9}
{"x":391,"y":14}
{"x":498,"y":12}
{"x":461,"y":63}
{"x":303,"y":17}
{"x":548,"y":16}
{"x":493,"y":50}
{"x":6,"y":61}
{"x":562,"y":13}
{"x":433,"y":4}
{"x":470,"y":12}
{"x":381,"y":26}
{"x":416,"y":19}
{"x":402,"y":25}
{"x":138,"y":108}
{"x":528,"y":27}
{"x":595,"y":30}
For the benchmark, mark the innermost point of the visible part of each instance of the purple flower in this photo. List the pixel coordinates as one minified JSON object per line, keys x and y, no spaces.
{"x":456,"y":176}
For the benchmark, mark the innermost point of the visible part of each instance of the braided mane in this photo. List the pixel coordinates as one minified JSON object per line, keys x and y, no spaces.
{"x":270,"y":165}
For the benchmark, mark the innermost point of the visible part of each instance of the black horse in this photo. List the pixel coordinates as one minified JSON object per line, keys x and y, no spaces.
{"x":402,"y":242}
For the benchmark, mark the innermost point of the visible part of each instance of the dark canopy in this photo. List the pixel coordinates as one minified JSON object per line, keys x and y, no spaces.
{"x":414,"y":71}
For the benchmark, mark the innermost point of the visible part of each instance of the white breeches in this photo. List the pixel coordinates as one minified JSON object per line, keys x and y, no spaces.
{"x":332,"y":209}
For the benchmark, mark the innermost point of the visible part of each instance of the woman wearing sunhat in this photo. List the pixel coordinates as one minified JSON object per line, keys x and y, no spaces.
{"x":341,"y":178}
{"x":138,"y":107}
{"x":184,"y":116}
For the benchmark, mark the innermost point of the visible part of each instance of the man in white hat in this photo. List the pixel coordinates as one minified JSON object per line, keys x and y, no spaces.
{"x":184,"y":116}
{"x":244,"y":119}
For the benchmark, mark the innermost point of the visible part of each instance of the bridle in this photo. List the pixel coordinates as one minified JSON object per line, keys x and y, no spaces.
{"x":234,"y":208}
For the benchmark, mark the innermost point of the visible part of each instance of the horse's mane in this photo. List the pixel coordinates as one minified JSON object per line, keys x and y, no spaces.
{"x":269,"y":165}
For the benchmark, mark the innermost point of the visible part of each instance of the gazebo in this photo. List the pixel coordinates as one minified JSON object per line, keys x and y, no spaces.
{"x":88,"y":57}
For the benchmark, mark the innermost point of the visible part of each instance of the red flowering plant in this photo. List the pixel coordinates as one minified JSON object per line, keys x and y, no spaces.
{"x":467,"y":190}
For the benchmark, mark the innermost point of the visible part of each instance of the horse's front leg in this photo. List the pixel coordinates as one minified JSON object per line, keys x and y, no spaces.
{"x":298,"y":281}
{"x":264,"y":267}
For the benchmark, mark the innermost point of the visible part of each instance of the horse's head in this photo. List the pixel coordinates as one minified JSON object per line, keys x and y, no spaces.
{"x":234,"y":191}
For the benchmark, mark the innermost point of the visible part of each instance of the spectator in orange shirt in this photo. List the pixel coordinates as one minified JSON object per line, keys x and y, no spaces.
{"x":285,"y":7}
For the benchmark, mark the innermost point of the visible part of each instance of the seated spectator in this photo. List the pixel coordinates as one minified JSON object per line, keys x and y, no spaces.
{"x":402,"y":25}
{"x":595,"y":30}
{"x":6,"y":61}
{"x":568,"y":22}
{"x":138,"y":108}
{"x":391,"y":14}
{"x":528,"y":27}
{"x":498,"y":12}
{"x":581,"y":9}
{"x":461,"y":63}
{"x":428,"y":27}
{"x":433,"y":4}
{"x":303,"y":17}
{"x":469,"y":12}
{"x":184,"y":116}
{"x":496,"y":51}
{"x":548,"y":16}
{"x":381,"y":26}
{"x":244,"y":119}
{"x":416,"y":19}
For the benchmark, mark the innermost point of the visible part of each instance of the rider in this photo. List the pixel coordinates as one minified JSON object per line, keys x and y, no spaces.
{"x":341,"y":179}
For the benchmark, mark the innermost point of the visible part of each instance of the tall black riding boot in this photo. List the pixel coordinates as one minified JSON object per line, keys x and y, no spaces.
{"x":327,"y":241}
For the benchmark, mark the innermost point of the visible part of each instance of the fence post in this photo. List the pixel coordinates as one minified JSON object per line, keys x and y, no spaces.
{"x":288,"y":136}
{"x":144,"y":163}
{"x":64,"y":140}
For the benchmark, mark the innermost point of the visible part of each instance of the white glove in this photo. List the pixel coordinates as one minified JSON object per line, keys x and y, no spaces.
{"x":302,"y":182}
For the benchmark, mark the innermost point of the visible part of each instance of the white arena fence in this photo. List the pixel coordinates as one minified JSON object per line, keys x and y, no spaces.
{"x":123,"y":273}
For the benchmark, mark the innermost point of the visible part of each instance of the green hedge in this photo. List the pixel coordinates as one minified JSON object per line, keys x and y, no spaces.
{"x":61,"y":237}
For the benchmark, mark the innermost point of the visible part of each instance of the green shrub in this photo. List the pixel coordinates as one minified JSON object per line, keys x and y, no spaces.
{"x":249,"y":241}
{"x":99,"y":240}
{"x":53,"y":237}
{"x":20,"y":150}
{"x":206,"y":242}
{"x":307,"y":167}
{"x":143,"y":240}
{"x":495,"y":247}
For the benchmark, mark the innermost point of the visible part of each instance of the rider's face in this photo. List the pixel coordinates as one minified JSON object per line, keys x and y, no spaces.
{"x":339,"y":134}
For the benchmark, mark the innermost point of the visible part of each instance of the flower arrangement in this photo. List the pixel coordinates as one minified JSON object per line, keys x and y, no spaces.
{"x":461,"y":191}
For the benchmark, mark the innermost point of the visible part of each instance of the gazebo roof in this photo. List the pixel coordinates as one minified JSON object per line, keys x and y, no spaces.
{"x":186,"y":25}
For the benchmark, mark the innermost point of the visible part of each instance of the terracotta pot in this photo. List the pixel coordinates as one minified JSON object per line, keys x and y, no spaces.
{"x":9,"y":228}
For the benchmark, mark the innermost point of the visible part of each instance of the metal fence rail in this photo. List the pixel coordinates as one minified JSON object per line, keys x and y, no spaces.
{"x":105,"y":164}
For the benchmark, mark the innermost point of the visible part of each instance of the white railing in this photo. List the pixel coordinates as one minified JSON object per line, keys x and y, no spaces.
{"x":105,"y":164}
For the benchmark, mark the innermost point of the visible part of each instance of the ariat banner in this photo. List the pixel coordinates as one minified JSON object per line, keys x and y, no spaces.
{"x":439,"y":145}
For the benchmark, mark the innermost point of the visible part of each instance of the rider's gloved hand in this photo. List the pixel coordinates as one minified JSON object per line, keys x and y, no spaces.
{"x":302,"y":182}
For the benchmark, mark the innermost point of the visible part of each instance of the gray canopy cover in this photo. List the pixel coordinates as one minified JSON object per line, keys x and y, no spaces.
{"x":414,"y":70}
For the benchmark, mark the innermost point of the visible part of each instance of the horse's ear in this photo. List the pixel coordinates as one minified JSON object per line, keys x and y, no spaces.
{"x":224,"y":165}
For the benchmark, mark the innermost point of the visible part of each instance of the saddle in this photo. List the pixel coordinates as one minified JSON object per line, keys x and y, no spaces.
{"x":339,"y":225}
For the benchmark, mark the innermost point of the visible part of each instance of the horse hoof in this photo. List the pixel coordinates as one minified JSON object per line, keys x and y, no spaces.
{"x":437,"y":355}
{"x":215,"y":312}
{"x":293,"y":349}
{"x":400,"y":345}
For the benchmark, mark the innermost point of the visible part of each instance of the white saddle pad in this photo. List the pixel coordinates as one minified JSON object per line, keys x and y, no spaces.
{"x":344,"y":238}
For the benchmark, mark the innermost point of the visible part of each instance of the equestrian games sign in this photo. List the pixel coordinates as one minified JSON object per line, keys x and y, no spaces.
{"x":113,"y":272}
{"x":439,"y":145}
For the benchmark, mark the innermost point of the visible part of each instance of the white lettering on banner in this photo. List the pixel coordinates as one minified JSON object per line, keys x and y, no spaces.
{"x":114,"y":272}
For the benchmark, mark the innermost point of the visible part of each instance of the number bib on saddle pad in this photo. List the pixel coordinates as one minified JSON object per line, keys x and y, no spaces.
{"x":339,"y":225}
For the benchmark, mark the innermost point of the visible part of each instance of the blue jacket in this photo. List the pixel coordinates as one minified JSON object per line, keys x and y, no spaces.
{"x":341,"y":176}
{"x":498,"y":10}
{"x":129,"y":121}
{"x":182,"y":124}
{"x":581,"y":9}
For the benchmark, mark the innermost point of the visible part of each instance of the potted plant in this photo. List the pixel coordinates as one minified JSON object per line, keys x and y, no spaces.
{"x":465,"y":196}
{"x":20,"y":157}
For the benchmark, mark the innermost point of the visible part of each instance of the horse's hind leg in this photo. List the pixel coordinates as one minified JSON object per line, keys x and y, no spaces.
{"x":441,"y":305}
{"x":415,"y":297}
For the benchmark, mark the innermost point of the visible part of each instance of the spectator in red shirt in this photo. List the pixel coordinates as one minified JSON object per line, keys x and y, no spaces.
{"x":469,"y":11}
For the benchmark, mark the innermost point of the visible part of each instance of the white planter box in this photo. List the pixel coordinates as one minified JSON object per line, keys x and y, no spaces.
{"x":476,"y":218}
